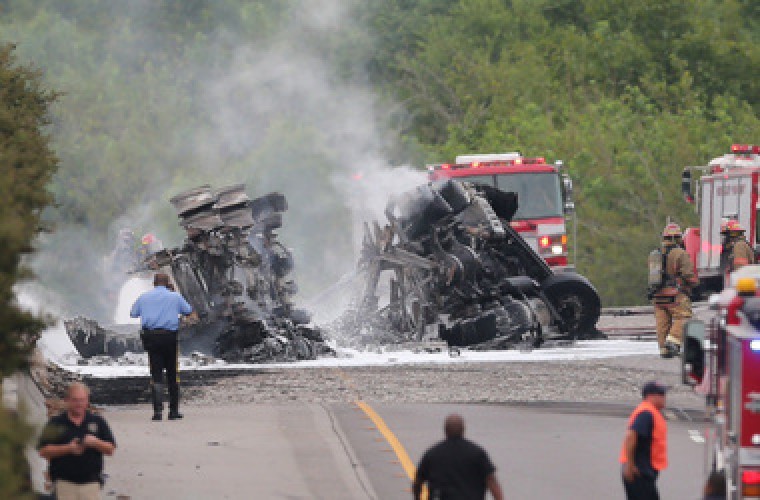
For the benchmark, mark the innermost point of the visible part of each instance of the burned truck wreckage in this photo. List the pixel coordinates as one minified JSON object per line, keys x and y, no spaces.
{"x":235,"y":273}
{"x":448,"y":266}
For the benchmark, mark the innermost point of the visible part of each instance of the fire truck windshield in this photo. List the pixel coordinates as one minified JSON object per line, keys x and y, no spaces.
{"x":538,"y":194}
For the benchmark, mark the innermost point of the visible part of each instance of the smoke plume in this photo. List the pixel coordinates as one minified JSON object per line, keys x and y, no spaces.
{"x":286,"y":108}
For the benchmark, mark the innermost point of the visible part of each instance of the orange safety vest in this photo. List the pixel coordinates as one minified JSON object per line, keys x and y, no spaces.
{"x":659,"y":448}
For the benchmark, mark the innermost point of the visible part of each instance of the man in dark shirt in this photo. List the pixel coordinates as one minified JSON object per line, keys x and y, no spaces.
{"x":74,"y":443}
{"x":456,"y":468}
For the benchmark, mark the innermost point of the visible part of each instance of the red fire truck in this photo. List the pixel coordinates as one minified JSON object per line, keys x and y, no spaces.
{"x":726,"y":189}
{"x":544,"y":196}
{"x":722,"y":359}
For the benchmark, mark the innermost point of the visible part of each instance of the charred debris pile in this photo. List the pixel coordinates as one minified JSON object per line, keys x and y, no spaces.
{"x":448,"y":266}
{"x":235,"y":273}
{"x":445,"y":270}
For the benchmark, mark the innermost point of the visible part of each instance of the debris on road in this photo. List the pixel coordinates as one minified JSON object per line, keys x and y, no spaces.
{"x":235,"y":273}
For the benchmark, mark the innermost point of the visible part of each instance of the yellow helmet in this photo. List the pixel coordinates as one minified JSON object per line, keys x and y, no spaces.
{"x":746,"y":286}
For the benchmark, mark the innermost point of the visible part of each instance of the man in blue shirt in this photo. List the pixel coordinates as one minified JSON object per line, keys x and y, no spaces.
{"x":159,"y":311}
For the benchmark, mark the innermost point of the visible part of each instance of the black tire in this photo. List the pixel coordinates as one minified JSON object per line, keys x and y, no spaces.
{"x":576,"y":301}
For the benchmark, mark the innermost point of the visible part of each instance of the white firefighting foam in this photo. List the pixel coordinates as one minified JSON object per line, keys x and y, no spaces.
{"x":54,"y":342}
{"x":581,"y":350}
{"x":57,"y":347}
{"x":128,"y":294}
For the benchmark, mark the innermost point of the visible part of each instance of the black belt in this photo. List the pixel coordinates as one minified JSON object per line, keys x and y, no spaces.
{"x":158,"y":330}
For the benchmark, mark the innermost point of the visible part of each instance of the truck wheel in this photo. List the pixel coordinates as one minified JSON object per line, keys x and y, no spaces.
{"x":576,"y":301}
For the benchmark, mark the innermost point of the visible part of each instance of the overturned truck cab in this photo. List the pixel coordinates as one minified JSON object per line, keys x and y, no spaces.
{"x":235,"y":273}
{"x":447,"y":265}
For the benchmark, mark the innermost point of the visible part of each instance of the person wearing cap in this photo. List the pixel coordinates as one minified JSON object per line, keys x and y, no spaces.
{"x":159,"y":311}
{"x":672,"y":306}
{"x":644,"y":452}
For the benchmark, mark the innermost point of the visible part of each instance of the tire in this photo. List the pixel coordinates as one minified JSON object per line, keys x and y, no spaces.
{"x":576,"y":301}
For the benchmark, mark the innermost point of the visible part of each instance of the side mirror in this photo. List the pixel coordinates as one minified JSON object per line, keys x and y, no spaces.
{"x":693,"y":353}
{"x":686,"y":186}
{"x":567,"y":191}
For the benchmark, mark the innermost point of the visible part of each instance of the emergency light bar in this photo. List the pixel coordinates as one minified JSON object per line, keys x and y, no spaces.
{"x":745,"y":148}
{"x":487,"y":157}
{"x":492,"y":163}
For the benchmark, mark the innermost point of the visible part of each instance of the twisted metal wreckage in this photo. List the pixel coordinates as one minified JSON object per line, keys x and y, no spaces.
{"x":235,"y":273}
{"x":448,"y":266}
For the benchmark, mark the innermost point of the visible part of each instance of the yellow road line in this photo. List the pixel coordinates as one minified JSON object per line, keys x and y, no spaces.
{"x":398,"y":448}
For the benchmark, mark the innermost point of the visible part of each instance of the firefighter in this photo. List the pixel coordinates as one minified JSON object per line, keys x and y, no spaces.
{"x":736,"y":251}
{"x":149,"y":245}
{"x":672,"y":307}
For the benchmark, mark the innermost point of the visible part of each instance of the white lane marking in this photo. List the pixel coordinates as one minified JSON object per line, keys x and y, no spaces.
{"x":696,"y":436}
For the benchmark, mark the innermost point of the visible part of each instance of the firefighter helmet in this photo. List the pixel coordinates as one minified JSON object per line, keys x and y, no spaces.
{"x":672,"y":230}
{"x":731,"y":226}
{"x":148,"y":238}
{"x":746,"y":286}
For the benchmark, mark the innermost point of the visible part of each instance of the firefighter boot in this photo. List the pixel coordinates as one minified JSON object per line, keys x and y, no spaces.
{"x":157,"y":393}
{"x":174,"y":413}
{"x":672,"y":348}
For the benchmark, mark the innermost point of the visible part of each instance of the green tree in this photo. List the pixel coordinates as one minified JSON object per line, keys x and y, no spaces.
{"x":27,"y":164}
{"x":625,"y":93}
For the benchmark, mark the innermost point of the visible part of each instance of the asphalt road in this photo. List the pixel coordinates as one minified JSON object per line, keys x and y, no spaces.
{"x":540,"y":453}
{"x":553,"y":429}
{"x":238,"y":452}
{"x":344,"y":451}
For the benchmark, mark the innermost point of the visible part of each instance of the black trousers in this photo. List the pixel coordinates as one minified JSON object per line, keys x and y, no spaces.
{"x":642,"y":488}
{"x":163,"y":356}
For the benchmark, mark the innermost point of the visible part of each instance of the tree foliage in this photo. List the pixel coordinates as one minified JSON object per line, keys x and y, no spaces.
{"x":626,"y":93}
{"x":27,"y":164}
{"x":161,"y":96}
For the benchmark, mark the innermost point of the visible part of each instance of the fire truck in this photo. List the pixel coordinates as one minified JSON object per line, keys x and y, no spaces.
{"x":544,"y":196}
{"x":722,"y":360}
{"x":726,"y":189}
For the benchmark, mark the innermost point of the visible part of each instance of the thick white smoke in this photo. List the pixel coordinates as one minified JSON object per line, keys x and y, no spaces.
{"x":275,"y":114}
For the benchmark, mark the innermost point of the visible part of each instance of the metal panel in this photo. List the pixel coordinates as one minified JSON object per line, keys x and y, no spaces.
{"x":749,"y":456}
{"x":708,"y":229}
{"x":230,"y":196}
{"x":206,"y":221}
{"x":734,"y":392}
{"x":750,"y":400}
{"x":192,"y":199}
{"x":237,"y":217}
{"x":722,"y":196}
